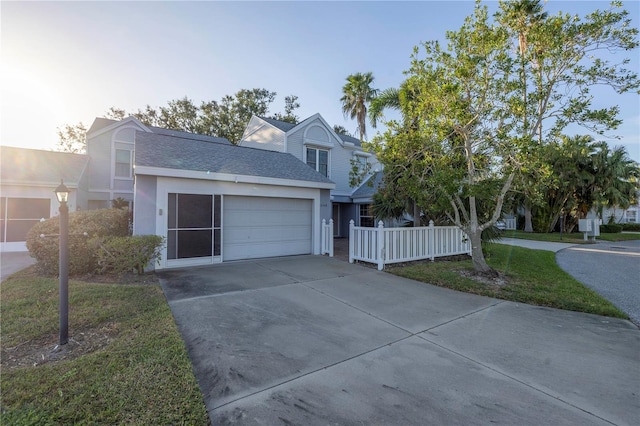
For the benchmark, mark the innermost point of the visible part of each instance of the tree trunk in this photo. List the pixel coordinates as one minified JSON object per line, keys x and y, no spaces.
{"x":477,"y":256}
{"x":528,"y":224}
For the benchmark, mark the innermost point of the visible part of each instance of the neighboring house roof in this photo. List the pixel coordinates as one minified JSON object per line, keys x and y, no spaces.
{"x":369,"y":187}
{"x":38,"y":167}
{"x":100,"y":123}
{"x":171,"y":152}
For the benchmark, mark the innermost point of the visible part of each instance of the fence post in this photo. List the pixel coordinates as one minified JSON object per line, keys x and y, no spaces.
{"x":330,"y":237}
{"x":323,"y":238}
{"x":352,"y":241}
{"x":380,"y":248}
{"x":432,"y":240}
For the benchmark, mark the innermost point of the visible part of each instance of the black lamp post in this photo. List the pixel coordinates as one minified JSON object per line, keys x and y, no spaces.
{"x":62,"y":193}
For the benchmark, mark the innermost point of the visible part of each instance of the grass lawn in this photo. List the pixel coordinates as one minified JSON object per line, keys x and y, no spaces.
{"x":125,"y":362}
{"x":531,"y":276}
{"x":573,"y":238}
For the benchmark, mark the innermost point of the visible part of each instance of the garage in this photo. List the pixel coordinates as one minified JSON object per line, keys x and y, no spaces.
{"x":255,"y":227}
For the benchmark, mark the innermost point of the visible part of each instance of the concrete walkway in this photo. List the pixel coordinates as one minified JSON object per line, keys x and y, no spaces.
{"x":313,"y":340}
{"x":535,"y":245}
{"x":12,"y":262}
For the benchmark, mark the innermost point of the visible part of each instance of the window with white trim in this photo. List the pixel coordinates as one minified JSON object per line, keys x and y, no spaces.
{"x":318,"y":159}
{"x":123,"y":167}
{"x":366,"y":215}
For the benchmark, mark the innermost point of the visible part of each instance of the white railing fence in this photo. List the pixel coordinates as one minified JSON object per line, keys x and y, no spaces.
{"x":327,"y":237}
{"x":510,"y":223}
{"x":393,"y":245}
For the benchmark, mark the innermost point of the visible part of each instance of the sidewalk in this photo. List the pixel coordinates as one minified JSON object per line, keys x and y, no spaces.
{"x":535,"y":245}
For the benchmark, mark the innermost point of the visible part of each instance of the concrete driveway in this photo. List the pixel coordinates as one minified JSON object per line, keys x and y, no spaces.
{"x":312,"y":340}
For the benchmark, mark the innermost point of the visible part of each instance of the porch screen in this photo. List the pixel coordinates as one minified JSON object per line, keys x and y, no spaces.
{"x":193,"y":226}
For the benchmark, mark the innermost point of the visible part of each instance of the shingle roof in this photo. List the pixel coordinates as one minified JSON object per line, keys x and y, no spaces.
{"x":350,"y":139}
{"x":33,"y":166}
{"x":369,"y":187}
{"x":186,"y":135}
{"x":164,"y":151}
{"x":100,"y":123}
{"x":282,"y":125}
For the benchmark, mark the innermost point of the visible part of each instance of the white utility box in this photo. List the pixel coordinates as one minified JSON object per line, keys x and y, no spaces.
{"x":589,"y":227}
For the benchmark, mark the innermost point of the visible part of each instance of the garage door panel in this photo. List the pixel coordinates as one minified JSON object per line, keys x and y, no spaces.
{"x":257,"y":227}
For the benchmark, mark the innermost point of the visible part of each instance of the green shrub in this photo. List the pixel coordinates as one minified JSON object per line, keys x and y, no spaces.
{"x":126,"y":254}
{"x":611,"y":228}
{"x":631,"y":227}
{"x":83,"y":226}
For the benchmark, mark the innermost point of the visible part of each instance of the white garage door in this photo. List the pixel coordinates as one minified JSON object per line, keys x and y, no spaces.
{"x":255,"y":227}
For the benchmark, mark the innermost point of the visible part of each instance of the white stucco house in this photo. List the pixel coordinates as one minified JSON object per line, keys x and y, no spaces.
{"x":212,"y":201}
{"x":314,"y":142}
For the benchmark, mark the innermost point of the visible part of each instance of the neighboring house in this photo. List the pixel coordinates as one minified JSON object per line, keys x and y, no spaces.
{"x":212,"y":201}
{"x":28,"y":178}
{"x":619,"y":215}
{"x":314,"y":142}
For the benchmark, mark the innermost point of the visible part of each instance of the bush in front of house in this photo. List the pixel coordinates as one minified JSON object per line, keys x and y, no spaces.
{"x":83,"y":226}
{"x":126,"y":254}
{"x":611,"y":228}
{"x":631,"y":227}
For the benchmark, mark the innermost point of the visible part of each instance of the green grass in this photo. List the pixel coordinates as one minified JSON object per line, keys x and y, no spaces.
{"x":142,"y":376}
{"x":533,"y":277}
{"x":573,"y":238}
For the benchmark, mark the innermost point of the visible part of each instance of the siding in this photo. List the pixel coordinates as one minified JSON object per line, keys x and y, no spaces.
{"x":259,"y":134}
{"x":99,"y":170}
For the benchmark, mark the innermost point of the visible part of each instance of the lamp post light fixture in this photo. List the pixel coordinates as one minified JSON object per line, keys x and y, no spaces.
{"x":62,"y":193}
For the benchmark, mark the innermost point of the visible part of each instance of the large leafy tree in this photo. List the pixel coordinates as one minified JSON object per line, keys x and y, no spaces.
{"x":470,"y":140}
{"x":561,"y":59}
{"x":225,"y":118}
{"x":72,"y":138}
{"x":357,"y":94}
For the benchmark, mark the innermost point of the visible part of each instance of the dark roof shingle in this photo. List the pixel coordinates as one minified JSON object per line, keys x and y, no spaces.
{"x":33,"y":166}
{"x":164,"y":151}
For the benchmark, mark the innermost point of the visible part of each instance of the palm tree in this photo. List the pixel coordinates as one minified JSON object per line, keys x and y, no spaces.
{"x":521,"y":16}
{"x":617,"y":178}
{"x":357,"y":94}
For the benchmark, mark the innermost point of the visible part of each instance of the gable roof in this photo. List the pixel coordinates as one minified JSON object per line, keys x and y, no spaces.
{"x":101,"y":123}
{"x":285,"y":127}
{"x":38,"y":167}
{"x":368,"y":187}
{"x":282,"y":125}
{"x":155,"y":150}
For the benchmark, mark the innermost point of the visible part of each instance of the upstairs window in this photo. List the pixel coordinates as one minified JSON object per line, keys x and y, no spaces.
{"x":318,"y":159}
{"x":123,"y":163}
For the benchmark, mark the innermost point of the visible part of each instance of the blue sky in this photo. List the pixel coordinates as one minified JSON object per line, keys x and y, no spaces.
{"x":66,"y":62}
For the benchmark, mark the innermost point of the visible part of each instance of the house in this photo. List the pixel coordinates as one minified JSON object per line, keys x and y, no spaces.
{"x":333,"y":155}
{"x":212,"y":201}
{"x":28,"y":178}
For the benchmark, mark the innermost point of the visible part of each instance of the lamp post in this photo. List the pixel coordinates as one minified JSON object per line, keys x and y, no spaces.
{"x":62,"y":193}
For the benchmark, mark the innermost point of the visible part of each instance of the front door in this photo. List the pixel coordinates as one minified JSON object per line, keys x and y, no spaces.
{"x":335,"y":215}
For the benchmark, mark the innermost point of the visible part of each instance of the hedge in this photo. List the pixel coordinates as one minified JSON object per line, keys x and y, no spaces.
{"x":83,"y":227}
{"x":611,"y":228}
{"x":631,"y":227}
{"x":126,"y":254}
